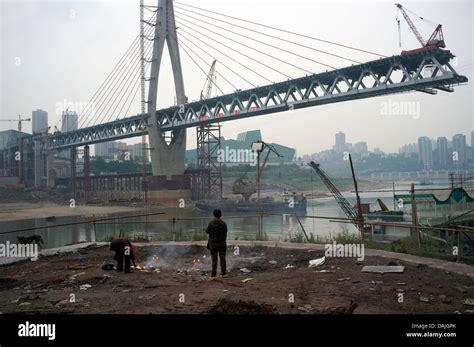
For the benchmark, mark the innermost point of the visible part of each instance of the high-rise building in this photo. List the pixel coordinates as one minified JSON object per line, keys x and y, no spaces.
{"x":39,"y":121}
{"x":361,"y":148}
{"x":472,"y":138}
{"x":425,"y":153}
{"x":442,"y":151}
{"x":340,"y":146}
{"x":110,"y":150}
{"x":459,"y":150}
{"x":69,"y":121}
{"x":137,"y":152}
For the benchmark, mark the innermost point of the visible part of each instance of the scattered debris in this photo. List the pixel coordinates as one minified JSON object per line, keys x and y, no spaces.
{"x":401,"y":284}
{"x":273,"y":262}
{"x":306,"y":308}
{"x":469,"y":302}
{"x":344,"y":279}
{"x":146,"y":297}
{"x":288,"y":266}
{"x":424,"y":298}
{"x":383,"y":269}
{"x":245,"y":270}
{"x":317,"y":262}
{"x":84,"y":286}
{"x":324,"y":271}
{"x":247,"y":280}
{"x":108,"y":266}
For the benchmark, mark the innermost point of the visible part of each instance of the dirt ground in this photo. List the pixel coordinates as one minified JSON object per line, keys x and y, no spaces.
{"x":182,"y":284}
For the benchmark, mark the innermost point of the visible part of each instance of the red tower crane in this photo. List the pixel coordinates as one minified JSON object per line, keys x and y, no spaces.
{"x":436,"y":40}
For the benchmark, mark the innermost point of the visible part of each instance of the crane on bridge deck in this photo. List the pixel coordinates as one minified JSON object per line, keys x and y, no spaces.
{"x":436,"y":40}
{"x":20,"y":143}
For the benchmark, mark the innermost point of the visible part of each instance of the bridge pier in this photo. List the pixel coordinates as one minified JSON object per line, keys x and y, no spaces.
{"x":50,"y":172}
{"x":38,"y":164}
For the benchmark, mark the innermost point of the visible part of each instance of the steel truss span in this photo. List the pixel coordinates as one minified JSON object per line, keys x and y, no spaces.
{"x":426,"y":71}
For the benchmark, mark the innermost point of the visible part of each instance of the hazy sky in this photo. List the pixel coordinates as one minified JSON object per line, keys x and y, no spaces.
{"x":54,"y":52}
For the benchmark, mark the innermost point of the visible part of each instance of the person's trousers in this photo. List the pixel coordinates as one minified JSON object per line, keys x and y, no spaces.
{"x":221,"y":252}
{"x":120,"y":257}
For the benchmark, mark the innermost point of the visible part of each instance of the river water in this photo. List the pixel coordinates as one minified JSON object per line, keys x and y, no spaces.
{"x":190,"y":224}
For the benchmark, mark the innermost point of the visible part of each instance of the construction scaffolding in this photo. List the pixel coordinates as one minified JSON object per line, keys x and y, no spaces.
{"x":209,"y":184}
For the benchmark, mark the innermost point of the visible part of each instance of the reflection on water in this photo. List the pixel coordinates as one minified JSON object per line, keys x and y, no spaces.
{"x":159,"y":227}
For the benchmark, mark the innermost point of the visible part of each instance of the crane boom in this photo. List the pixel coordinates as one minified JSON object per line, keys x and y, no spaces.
{"x":209,"y":82}
{"x":348,"y":209}
{"x":411,"y":25}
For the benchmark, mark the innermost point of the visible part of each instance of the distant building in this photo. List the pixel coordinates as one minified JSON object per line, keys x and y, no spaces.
{"x":472,"y":138}
{"x":250,"y":136}
{"x":244,"y":142}
{"x":459,"y":150}
{"x":361,"y":149}
{"x":408,"y":149}
{"x":442,"y":151}
{"x":425,"y":153}
{"x":137,"y":151}
{"x":69,"y":121}
{"x":110,"y":150}
{"x":39,"y":120}
{"x":340,"y":146}
{"x":378,"y":151}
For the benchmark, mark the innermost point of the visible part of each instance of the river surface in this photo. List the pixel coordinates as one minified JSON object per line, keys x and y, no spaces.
{"x":190,"y":224}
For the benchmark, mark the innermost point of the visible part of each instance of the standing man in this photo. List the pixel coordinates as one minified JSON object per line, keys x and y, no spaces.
{"x":123,"y":251}
{"x":217,"y":230}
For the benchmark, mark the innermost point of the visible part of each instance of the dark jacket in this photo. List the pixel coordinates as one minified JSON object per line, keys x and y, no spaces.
{"x":118,"y":245}
{"x":217,"y":230}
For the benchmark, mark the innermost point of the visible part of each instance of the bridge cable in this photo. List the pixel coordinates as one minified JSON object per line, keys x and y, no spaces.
{"x":102,"y":88}
{"x":284,"y":30}
{"x":255,"y":49}
{"x":124,"y":72}
{"x":200,"y":68}
{"x":183,"y":45}
{"x":119,"y":78}
{"x":137,"y":81}
{"x":182,"y":36}
{"x":132,"y":73}
{"x":224,"y":54}
{"x":266,"y":34}
{"x":266,"y":44}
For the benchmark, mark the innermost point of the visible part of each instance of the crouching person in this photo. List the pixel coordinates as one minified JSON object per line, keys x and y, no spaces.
{"x":123,"y":253}
{"x":217,"y":230}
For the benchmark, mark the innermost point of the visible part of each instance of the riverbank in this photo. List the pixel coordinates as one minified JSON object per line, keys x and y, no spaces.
{"x":21,"y":211}
{"x":275,"y":278}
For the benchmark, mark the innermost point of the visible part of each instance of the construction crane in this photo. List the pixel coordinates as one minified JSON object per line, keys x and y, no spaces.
{"x":350,"y":211}
{"x":259,"y":147}
{"x":210,"y":81}
{"x":20,"y":143}
{"x":436,"y":40}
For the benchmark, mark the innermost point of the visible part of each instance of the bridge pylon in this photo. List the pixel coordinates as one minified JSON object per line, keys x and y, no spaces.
{"x":167,"y":159}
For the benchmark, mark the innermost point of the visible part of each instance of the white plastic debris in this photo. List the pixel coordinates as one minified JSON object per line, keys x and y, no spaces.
{"x":288,"y":266}
{"x":245,"y":270}
{"x":317,"y":262}
{"x":85,"y":286}
{"x":247,"y":280}
{"x":273,"y":262}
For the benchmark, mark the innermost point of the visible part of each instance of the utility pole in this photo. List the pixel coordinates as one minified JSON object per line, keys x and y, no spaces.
{"x":143,"y":101}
